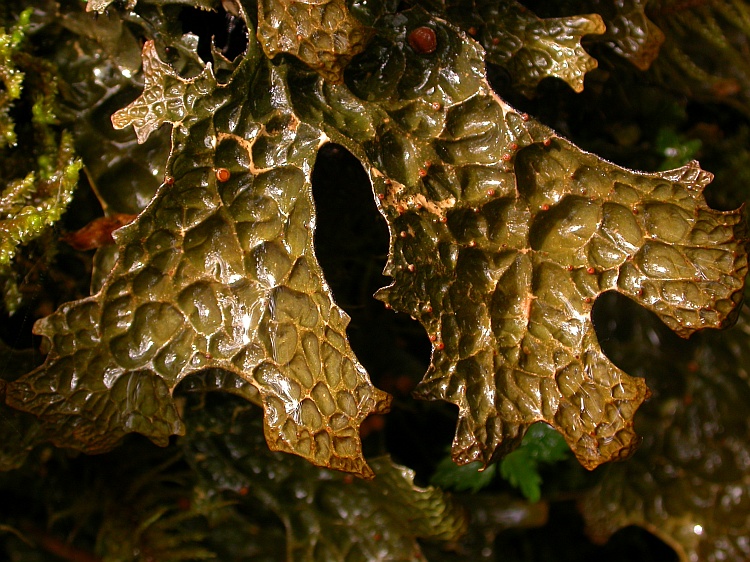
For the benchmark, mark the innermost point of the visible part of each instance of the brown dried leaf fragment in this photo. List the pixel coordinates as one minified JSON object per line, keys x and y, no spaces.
{"x":98,"y":233}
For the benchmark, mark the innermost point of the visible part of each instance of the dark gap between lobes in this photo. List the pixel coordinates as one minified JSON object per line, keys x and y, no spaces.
{"x":351,"y":244}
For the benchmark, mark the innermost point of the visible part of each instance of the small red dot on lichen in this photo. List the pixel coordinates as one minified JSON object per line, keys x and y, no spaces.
{"x":403,"y":234}
{"x":590,"y":270}
{"x":222,"y":174}
{"x":411,"y":267}
{"x":433,"y":337}
{"x":422,"y":173}
{"x":506,"y":157}
{"x":439,"y":346}
{"x":443,"y":219}
{"x":545,"y":207}
{"x":525,"y":116}
{"x":169,"y":180}
{"x":423,"y":40}
{"x":514,"y":146}
{"x":547,"y":142}
{"x":490,"y":192}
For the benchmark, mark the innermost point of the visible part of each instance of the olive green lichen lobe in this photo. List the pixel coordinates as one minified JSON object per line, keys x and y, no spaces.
{"x":526,"y":46}
{"x":217,"y":272}
{"x":503,"y":235}
{"x":324,"y":35}
{"x":329,"y":517}
{"x":166,"y":98}
{"x":688,"y":483}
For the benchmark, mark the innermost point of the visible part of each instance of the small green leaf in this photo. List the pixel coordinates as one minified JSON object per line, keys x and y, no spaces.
{"x":522,"y":472}
{"x":467,"y":477}
{"x":675,"y":148}
{"x":541,"y":445}
{"x":545,"y":445}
